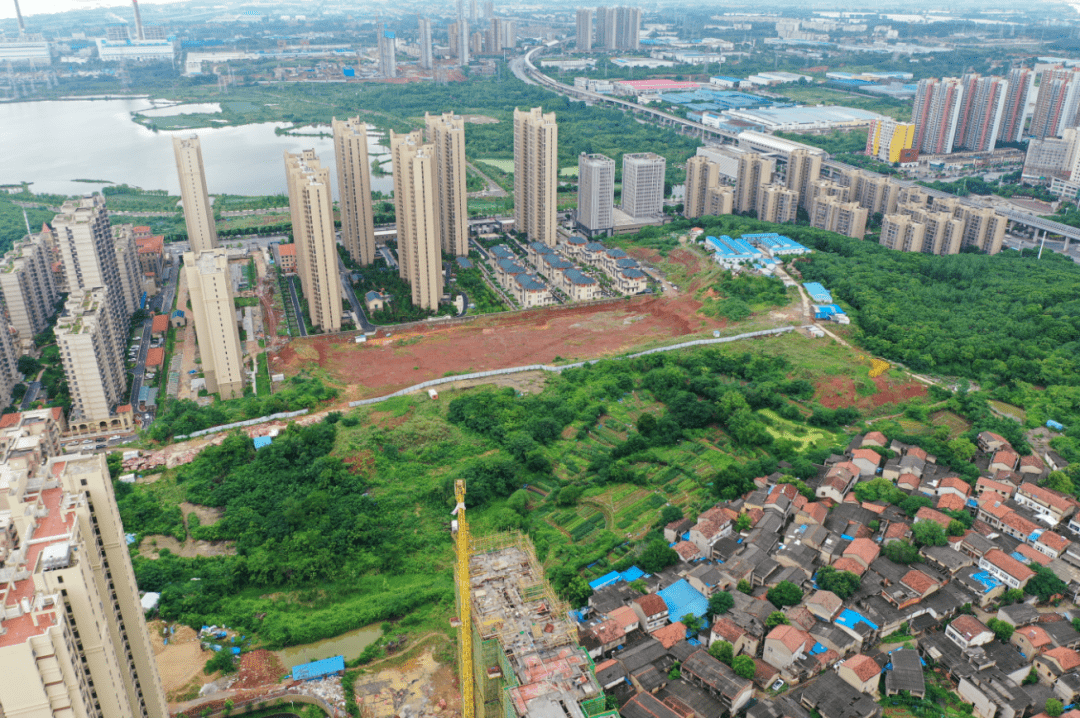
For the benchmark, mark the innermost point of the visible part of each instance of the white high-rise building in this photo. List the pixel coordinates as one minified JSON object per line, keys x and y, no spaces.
{"x":643,"y":184}
{"x":584,"y":30}
{"x":596,"y":194}
{"x":536,"y":173}
{"x":210,"y":287}
{"x":425,"y":42}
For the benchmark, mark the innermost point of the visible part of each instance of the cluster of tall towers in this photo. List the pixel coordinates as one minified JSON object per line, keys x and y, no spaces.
{"x":617,"y":28}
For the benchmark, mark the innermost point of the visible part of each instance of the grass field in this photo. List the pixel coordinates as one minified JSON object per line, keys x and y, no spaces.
{"x":504,"y":165}
{"x":1013,"y":412}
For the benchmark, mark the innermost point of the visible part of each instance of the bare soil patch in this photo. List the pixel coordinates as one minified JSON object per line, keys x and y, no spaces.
{"x":180,"y":663}
{"x":420,"y":687}
{"x":152,"y":545}
{"x":840,"y":392}
{"x":259,"y":668}
{"x":497,"y":342}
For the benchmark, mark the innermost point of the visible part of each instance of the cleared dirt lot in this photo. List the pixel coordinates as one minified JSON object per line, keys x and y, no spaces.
{"x":542,"y":336}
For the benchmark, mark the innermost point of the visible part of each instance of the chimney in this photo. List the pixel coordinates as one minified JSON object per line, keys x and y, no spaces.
{"x":18,"y":14}
{"x":138,"y":21}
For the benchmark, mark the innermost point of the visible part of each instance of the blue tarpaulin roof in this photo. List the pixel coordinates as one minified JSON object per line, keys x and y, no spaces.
{"x":632,"y":574}
{"x":263,"y":441}
{"x":682,"y":598}
{"x":818,"y":648}
{"x":318,"y":669}
{"x":849,"y":618}
{"x":606,"y":580}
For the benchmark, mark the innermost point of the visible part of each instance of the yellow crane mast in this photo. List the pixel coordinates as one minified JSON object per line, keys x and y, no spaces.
{"x":464,"y":591}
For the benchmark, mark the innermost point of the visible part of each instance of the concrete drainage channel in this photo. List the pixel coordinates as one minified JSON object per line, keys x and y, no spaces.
{"x":557,"y":369}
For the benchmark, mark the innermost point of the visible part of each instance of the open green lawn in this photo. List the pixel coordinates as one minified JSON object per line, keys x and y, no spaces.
{"x":821,"y":95}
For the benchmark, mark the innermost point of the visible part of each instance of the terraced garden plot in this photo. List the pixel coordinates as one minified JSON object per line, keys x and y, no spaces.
{"x":804,"y":436}
{"x":956,"y":423}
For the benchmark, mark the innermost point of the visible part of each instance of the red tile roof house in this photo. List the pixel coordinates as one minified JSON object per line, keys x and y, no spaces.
{"x":1001,"y":488}
{"x":925,"y":513}
{"x":1031,"y":464}
{"x":867,"y":460}
{"x":601,"y":638}
{"x":874,"y":438}
{"x":1032,"y":555}
{"x":687,"y":551}
{"x":954,"y":485}
{"x":625,"y":617}
{"x":651,"y":611}
{"x":812,"y":513}
{"x":989,"y":441}
{"x":863,"y":550}
{"x":670,"y":634}
{"x":786,"y":644}
{"x":724,"y":629}
{"x":847,"y":563}
{"x":824,"y":604}
{"x":908,"y":482}
{"x":897,"y":530}
{"x":837,"y":481}
{"x":862,"y":673}
{"x":1005,"y":568}
{"x":1051,"y":544}
{"x":951,"y":502}
{"x":967,"y":631}
{"x":1053,"y":505}
{"x":707,"y":531}
{"x":1054,"y":663}
{"x":1032,"y":640}
{"x":1004,"y":460}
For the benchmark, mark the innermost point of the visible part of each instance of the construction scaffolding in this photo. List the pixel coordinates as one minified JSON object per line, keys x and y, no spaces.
{"x":526,"y":661}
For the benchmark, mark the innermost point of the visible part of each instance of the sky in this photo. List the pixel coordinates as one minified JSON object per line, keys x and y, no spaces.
{"x":34,"y":7}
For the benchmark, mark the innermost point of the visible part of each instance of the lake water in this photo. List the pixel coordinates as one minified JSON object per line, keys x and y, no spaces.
{"x":54,"y":143}
{"x":349,"y":644}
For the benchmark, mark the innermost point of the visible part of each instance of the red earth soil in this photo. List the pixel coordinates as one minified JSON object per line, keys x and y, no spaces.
{"x":495,"y":342}
{"x":258,"y":668}
{"x":888,"y":392}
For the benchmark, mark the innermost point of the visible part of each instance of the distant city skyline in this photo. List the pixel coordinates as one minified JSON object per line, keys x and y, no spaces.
{"x":30,"y":8}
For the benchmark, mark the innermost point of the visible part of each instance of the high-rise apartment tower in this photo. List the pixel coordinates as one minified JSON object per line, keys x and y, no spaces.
{"x":27,"y":287}
{"x":210,"y":287}
{"x":584,"y":30}
{"x":91,"y":348}
{"x":198,"y":214}
{"x":596,"y":194}
{"x":415,"y":204}
{"x":425,"y":42}
{"x":701,"y":176}
{"x":536,"y":169}
{"x":936,"y":114}
{"x":446,"y":133}
{"x":312,"y":209}
{"x":354,"y":189}
{"x":643,"y":184}
{"x":1021,"y":81}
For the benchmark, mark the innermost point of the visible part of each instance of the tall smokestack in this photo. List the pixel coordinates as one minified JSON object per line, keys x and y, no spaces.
{"x":18,"y":14}
{"x":138,"y":21}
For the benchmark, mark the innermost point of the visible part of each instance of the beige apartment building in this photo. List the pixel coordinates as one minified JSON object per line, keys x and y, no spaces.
{"x":27,"y":287}
{"x":835,"y":215}
{"x":311,"y":205}
{"x":446,"y":133}
{"x":198,"y":213}
{"x":942,"y":234}
{"x":701,"y":176}
{"x":875,"y":193}
{"x":354,"y":189}
{"x":210,"y":288}
{"x":643,"y":184}
{"x":73,"y":640}
{"x":776,"y":203}
{"x":419,"y":253}
{"x":536,"y":174}
{"x":128,"y":265}
{"x":983,"y":227}
{"x":720,"y":200}
{"x":902,"y":233}
{"x":91,"y":348}
{"x":596,"y":194}
{"x":803,"y":168}
{"x":89,"y":251}
{"x":9,"y":360}
{"x":754,"y":172}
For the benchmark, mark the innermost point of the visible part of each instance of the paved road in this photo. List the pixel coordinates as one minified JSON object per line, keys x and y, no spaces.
{"x":387,"y":255}
{"x":296,"y":305}
{"x":493,"y":188}
{"x":140,"y":364}
{"x":32,"y":390}
{"x":350,"y":294}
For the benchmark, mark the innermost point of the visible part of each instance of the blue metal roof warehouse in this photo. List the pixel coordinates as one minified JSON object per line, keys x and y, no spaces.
{"x":818,"y":293}
{"x":319,"y":669}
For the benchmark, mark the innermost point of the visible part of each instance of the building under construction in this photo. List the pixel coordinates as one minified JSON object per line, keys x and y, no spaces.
{"x":524,"y":657}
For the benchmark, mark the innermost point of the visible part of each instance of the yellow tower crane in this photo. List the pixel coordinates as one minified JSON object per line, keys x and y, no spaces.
{"x":464,"y":591}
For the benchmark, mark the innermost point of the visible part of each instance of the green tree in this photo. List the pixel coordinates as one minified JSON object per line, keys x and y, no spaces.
{"x":222,"y":661}
{"x":693,"y":623}
{"x":1013,"y":595}
{"x":776,"y":618}
{"x":1054,"y":707}
{"x":639,"y":585}
{"x":744,"y":586}
{"x":901,"y":551}
{"x":842,"y":583}
{"x":657,"y":556}
{"x":578,"y":592}
{"x":1060,"y":481}
{"x":1002,"y":629}
{"x":956,"y":528}
{"x":744,"y":667}
{"x":1044,"y":583}
{"x":929,"y":533}
{"x":784,"y":593}
{"x":668,"y":514}
{"x":742,"y":523}
{"x":722,"y":651}
{"x":28,"y":366}
{"x":962,"y":448}
{"x":675,"y":674}
{"x":720,"y":603}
